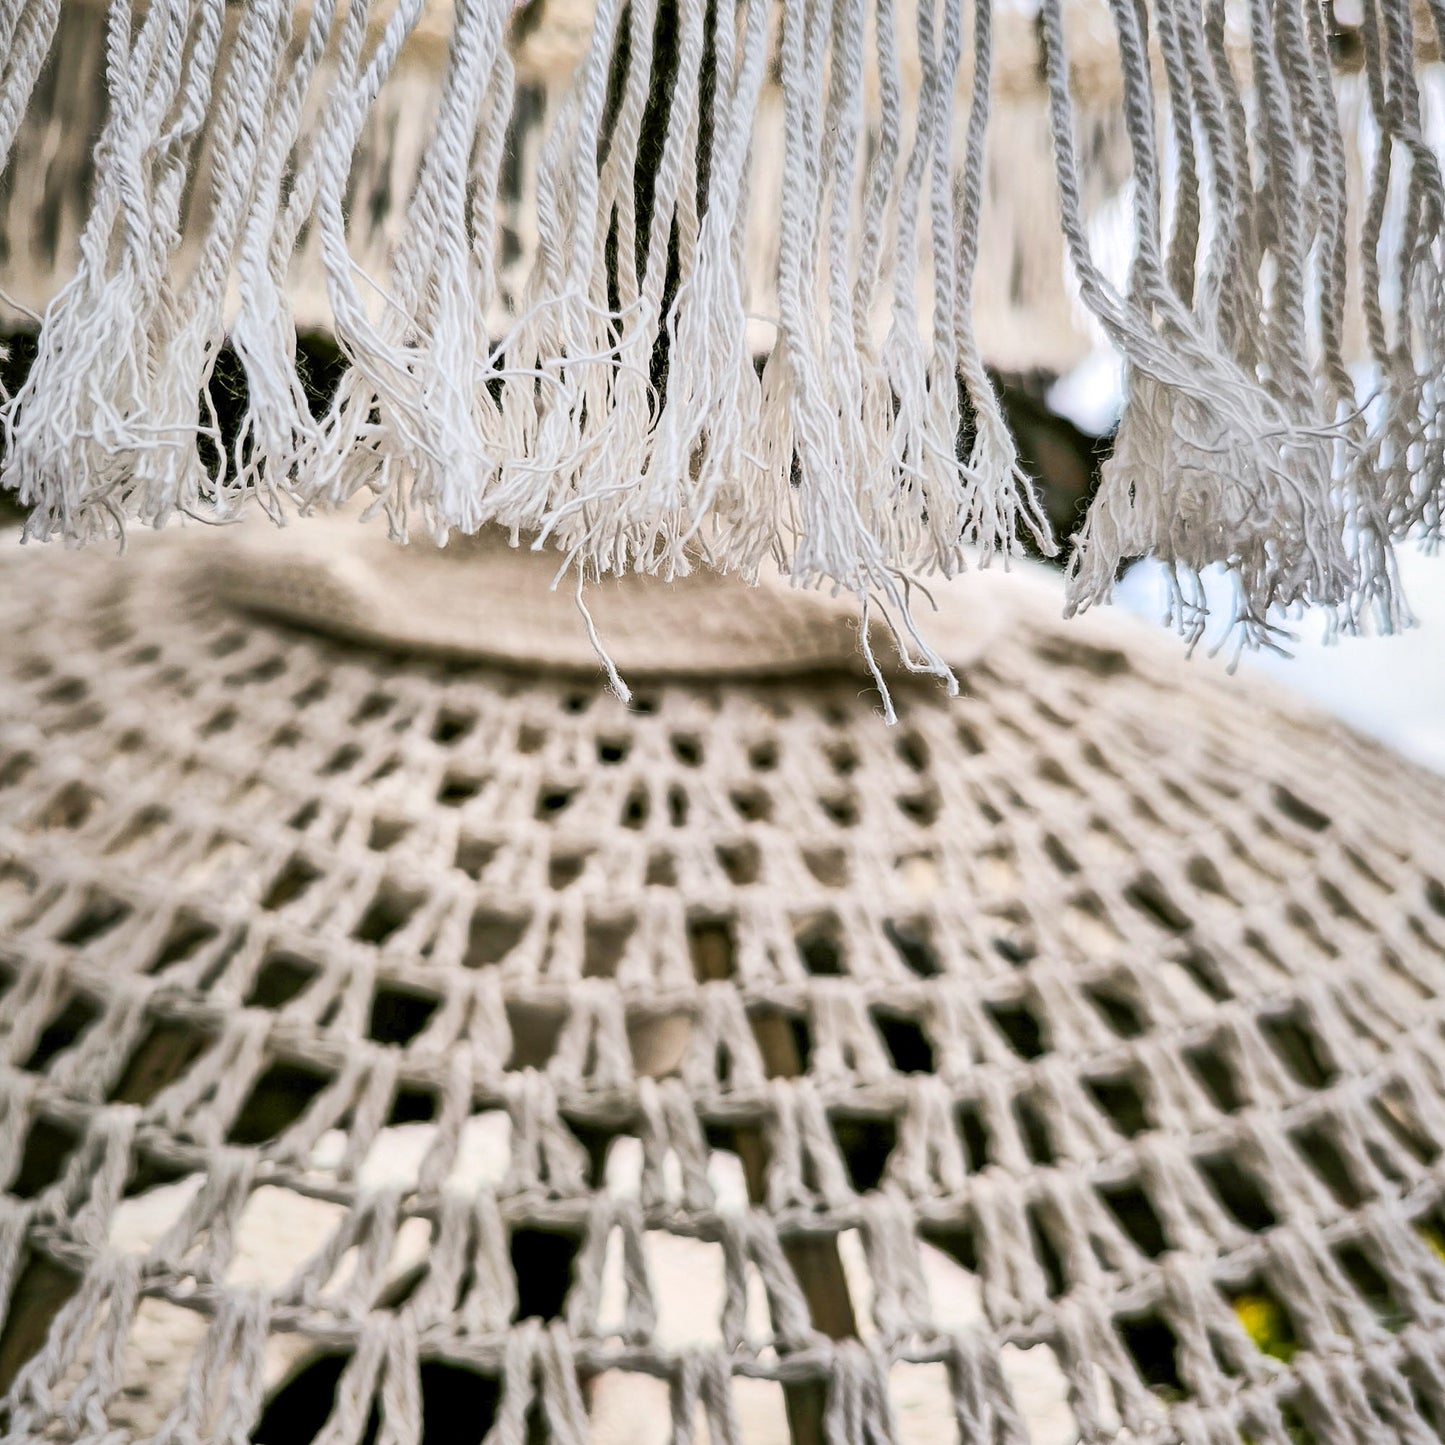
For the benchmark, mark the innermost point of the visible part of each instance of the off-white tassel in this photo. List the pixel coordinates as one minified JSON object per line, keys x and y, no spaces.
{"x":853,"y":137}
{"x":277,"y":427}
{"x":78,"y":425}
{"x":1222,"y":455}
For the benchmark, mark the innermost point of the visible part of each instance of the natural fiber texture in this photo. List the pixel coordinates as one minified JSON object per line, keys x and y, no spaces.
{"x":445,"y":601}
{"x":556,"y":323}
{"x":1092,"y":1018}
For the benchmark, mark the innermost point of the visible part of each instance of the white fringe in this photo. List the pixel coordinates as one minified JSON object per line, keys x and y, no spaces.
{"x":871,"y":445}
{"x":1244,"y":442}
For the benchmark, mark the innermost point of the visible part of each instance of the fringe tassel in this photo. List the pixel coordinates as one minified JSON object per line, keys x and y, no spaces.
{"x":821,"y":171}
{"x":1245,"y":441}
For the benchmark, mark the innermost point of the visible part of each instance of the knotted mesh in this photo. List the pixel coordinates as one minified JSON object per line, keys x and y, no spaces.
{"x":409,"y":1049}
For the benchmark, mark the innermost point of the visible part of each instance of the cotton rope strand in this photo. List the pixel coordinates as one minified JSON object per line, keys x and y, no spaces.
{"x":869,"y":447}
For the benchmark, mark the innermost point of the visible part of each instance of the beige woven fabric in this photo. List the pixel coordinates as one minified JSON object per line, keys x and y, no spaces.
{"x":480,"y":598}
{"x":439,"y":1041}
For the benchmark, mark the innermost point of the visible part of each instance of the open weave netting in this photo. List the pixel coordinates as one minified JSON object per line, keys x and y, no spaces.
{"x":410,"y":1047}
{"x":717,"y":292}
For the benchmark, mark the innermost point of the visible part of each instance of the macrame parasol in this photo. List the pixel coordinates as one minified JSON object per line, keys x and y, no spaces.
{"x":401,"y":1039}
{"x":404,"y":1040}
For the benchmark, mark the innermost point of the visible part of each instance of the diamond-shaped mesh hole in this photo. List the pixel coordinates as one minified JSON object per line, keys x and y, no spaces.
{"x":784,"y":1040}
{"x":386,"y":833}
{"x":341,"y":761}
{"x":63,"y":1030}
{"x":535,"y":1029}
{"x":687,"y":750}
{"x":1137,"y":1217}
{"x":277,"y":1100}
{"x":452,"y":725}
{"x":920,"y":807}
{"x":398,"y":1015}
{"x":907,"y":1044}
{"x":1394,"y":1108}
{"x":1153,"y":1346}
{"x":829,"y":866}
{"x":1212,"y":1068}
{"x":1264,"y":1318}
{"x":1034,"y":1130}
{"x":1370,"y":1284}
{"x":1319,"y":1148}
{"x":542,"y":1262}
{"x":458,"y":788}
{"x":1020,"y":1026}
{"x":412,"y":1104}
{"x":865,"y":1142}
{"x":1047,"y":1253}
{"x":912,"y":941}
{"x":491,"y":936}
{"x":820,"y":945}
{"x":68,"y":809}
{"x":100,"y":914}
{"x":564,"y":869}
{"x":1121,"y":1099}
{"x":1238,"y":1191}
{"x":142,"y":825}
{"x":1300,"y":1049}
{"x":752,"y":805}
{"x":604,"y":941}
{"x":389,"y":911}
{"x":742,"y":862}
{"x":975,"y":1135}
{"x":1122,"y":1012}
{"x":296,"y":878}
{"x":613,"y":750}
{"x":39,"y":1293}
{"x":956,"y":1240}
{"x":552,"y":802}
{"x":1297,"y":810}
{"x":186,"y":936}
{"x":280,"y":978}
{"x":48,"y":1145}
{"x":473,"y":855}
{"x":15,"y":767}
{"x":1205,"y":972}
{"x":712,"y":948}
{"x":168,"y":1049}
{"x":763,"y":756}
{"x":1149,"y":897}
